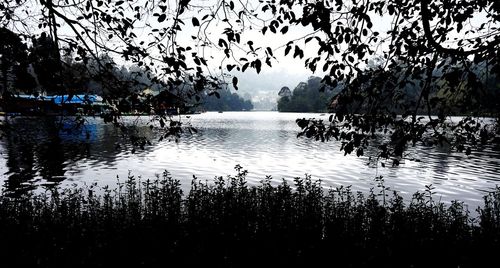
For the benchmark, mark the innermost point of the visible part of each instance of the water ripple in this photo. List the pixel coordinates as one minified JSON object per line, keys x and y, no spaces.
{"x":264,"y":143}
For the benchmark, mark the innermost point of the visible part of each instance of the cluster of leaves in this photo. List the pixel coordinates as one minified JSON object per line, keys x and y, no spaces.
{"x":228,"y":223}
{"x":415,"y":74}
{"x":369,"y":108}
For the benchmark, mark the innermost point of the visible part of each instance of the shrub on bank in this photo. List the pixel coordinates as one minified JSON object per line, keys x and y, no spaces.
{"x":230,"y":224}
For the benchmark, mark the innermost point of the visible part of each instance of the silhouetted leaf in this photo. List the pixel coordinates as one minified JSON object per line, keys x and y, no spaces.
{"x":245,"y":66}
{"x":298,"y":52}
{"x":222,"y":43}
{"x":272,"y":29}
{"x":269,"y":51}
{"x":287,"y":50}
{"x":162,"y":17}
{"x":257,"y":65}
{"x":235,"y":82}
{"x":268,"y":62}
{"x":195,"y":22}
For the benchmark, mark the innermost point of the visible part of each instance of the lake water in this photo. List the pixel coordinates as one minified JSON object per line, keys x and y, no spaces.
{"x":35,"y":153}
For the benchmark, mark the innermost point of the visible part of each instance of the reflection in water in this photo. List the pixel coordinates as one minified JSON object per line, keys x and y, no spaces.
{"x":45,"y":150}
{"x":36,"y":152}
{"x":33,"y":149}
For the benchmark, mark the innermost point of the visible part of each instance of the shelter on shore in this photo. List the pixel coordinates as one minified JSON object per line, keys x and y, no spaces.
{"x":52,"y":105}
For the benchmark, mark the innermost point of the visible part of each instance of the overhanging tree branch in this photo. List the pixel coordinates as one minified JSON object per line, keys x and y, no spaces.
{"x":426,"y":17}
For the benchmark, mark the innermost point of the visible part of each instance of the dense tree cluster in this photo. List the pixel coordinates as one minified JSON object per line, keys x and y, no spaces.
{"x":39,"y":69}
{"x":306,"y":97}
{"x":227,"y":101}
{"x":14,"y":62}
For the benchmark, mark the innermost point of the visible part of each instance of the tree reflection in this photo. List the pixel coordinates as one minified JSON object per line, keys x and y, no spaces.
{"x":43,"y":149}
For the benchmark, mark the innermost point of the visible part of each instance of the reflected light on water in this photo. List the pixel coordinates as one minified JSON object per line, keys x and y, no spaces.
{"x":264,"y":143}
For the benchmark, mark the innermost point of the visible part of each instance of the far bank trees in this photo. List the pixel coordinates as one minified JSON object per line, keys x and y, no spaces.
{"x":306,"y":97}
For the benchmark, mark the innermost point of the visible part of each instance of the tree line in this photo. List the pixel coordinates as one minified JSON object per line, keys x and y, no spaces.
{"x":310,"y":96}
{"x":226,"y":101}
{"x":36,"y":70}
{"x":451,"y":99}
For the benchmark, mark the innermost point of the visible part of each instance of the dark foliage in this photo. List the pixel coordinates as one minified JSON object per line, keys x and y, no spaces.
{"x":14,"y":63}
{"x":306,"y":97}
{"x":230,"y":224}
{"x":225,"y":101}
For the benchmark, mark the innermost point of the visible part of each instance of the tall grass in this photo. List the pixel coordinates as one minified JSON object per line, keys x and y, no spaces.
{"x":230,"y":224}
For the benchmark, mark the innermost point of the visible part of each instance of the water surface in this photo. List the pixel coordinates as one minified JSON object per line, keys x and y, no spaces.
{"x":35,"y":152}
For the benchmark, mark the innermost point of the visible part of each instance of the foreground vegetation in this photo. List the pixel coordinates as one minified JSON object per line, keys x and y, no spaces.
{"x":230,"y":224}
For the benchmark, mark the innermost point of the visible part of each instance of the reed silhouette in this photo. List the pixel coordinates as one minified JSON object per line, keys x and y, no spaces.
{"x":227,"y":223}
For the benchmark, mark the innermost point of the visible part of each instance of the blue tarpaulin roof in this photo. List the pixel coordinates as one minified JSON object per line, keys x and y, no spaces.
{"x":60,"y":99}
{"x":77,"y":99}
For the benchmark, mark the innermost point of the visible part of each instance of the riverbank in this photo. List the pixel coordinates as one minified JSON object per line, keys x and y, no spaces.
{"x":230,"y":224}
